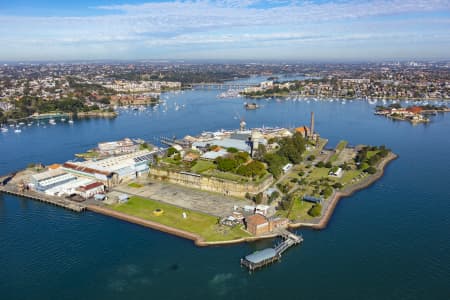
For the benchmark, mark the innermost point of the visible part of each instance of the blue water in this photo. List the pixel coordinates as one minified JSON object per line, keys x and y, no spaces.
{"x":390,"y":241}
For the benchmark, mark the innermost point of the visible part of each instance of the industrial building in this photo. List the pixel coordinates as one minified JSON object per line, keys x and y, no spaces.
{"x":117,"y":147}
{"x":49,"y":179}
{"x":114,"y":170}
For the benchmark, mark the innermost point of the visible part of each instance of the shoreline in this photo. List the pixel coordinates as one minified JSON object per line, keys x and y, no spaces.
{"x":257,"y":97}
{"x":326,"y":216}
{"x":197,"y":239}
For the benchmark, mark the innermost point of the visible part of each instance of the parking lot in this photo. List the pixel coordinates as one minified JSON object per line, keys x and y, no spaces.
{"x":207,"y":202}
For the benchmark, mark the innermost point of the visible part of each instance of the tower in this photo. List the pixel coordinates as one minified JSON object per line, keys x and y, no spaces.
{"x":311,"y":132}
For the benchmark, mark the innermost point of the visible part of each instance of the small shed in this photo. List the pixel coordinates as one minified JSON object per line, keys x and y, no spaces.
{"x":123,"y":198}
{"x":312,"y":199}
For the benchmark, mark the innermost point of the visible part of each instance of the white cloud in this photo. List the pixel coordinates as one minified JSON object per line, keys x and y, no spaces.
{"x":202,"y":22}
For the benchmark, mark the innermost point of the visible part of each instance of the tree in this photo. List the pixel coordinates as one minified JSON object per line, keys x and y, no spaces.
{"x":276,"y":163}
{"x":273,"y":196}
{"x":260,"y":152}
{"x":337,"y":185}
{"x":171,"y":151}
{"x":226,"y":164}
{"x":320,"y":164}
{"x":315,"y":211}
{"x":251,"y":169}
{"x":232,"y":150}
{"x":241,"y":157}
{"x":258,"y":198}
{"x":370,"y":170}
{"x":328,"y":164}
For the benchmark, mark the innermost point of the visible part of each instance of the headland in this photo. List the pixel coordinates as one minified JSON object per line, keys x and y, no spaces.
{"x":223,"y":187}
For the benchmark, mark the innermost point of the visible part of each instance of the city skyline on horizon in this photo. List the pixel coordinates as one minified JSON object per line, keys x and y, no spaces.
{"x":252,"y":30}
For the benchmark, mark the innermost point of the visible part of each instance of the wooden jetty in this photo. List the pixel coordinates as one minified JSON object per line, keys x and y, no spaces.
{"x":267,"y":256}
{"x":58,"y":201}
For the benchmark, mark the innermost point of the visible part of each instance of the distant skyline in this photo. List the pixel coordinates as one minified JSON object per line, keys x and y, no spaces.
{"x":230,"y":29}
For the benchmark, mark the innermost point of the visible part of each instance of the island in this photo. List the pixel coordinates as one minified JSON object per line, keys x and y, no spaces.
{"x":414,"y":114}
{"x":221,"y":187}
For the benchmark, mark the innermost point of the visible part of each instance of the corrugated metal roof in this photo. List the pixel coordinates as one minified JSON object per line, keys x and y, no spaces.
{"x":259,"y":256}
{"x":214,"y":154}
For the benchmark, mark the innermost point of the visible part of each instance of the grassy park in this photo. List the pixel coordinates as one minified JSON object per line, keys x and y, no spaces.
{"x":202,"y":224}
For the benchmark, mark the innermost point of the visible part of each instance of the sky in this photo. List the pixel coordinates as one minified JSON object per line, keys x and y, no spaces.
{"x":311,"y":30}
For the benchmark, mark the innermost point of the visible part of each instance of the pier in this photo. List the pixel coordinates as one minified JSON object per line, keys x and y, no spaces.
{"x":267,"y":256}
{"x":57,"y":201}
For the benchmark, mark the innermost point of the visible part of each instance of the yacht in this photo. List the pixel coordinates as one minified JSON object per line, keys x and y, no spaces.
{"x":52,"y":122}
{"x":4,"y":129}
{"x":17,"y":131}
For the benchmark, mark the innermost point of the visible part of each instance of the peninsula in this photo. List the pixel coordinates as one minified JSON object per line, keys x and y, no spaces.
{"x":221,"y":187}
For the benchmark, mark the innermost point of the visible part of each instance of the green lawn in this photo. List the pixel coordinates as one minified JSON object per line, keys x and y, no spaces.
{"x":371,"y":153}
{"x":299,"y":211}
{"x":88,"y":155}
{"x":348,"y":176}
{"x":202,"y":166}
{"x":318,"y":173}
{"x":226,"y":175}
{"x":135,"y":185}
{"x":170,"y":160}
{"x":340,"y":146}
{"x":198,"y":223}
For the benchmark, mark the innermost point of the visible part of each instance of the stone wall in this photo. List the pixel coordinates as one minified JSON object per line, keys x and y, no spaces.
{"x":211,"y":184}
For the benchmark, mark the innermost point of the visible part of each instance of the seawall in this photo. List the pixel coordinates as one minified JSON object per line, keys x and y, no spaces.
{"x":197,"y":239}
{"x":326,"y":216}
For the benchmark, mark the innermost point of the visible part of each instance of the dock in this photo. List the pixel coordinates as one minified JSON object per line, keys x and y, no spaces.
{"x":57,"y":201}
{"x":267,"y":256}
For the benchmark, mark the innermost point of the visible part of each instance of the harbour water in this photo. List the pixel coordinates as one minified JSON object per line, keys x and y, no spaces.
{"x":390,"y":241}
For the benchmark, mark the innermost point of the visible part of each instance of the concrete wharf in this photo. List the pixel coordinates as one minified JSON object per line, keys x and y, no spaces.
{"x":58,"y":201}
{"x":267,"y":256}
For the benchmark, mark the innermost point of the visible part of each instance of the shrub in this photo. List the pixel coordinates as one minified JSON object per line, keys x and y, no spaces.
{"x":337,"y":185}
{"x":273,"y":196}
{"x":258,"y":198}
{"x":252,"y":169}
{"x":328,"y":165}
{"x":171,"y":151}
{"x":232,"y":150}
{"x":315,"y":211}
{"x":327,"y":192}
{"x":311,"y":157}
{"x":226,"y":164}
{"x":320,"y":164}
{"x":370,"y":170}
